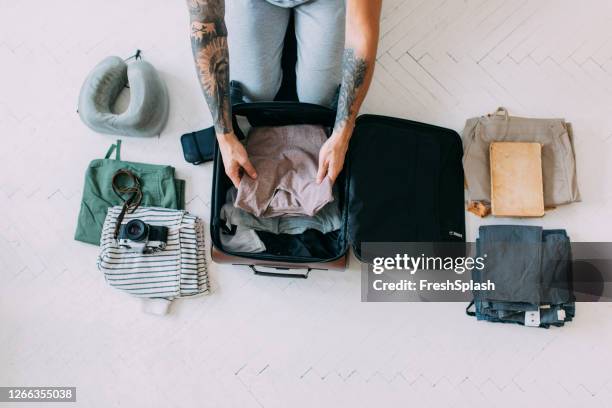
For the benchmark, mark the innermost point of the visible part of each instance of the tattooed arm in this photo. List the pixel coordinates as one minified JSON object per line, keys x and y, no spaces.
{"x":210,"y":53}
{"x":362,"y":28}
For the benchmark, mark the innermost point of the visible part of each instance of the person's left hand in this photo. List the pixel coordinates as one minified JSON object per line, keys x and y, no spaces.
{"x":332,"y":154}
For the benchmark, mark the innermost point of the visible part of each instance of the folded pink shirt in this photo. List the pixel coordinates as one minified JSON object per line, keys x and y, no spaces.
{"x":286,"y":159}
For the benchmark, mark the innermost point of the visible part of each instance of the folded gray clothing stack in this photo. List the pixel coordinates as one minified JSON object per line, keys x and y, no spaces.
{"x":245,"y":238}
{"x":531,"y":270}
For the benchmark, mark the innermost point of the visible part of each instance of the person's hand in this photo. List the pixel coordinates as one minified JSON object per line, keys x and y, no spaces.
{"x":235,"y":158}
{"x":332,"y":154}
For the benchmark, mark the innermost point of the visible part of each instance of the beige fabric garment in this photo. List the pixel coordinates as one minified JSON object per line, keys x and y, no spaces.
{"x":286,"y":159}
{"x":558,"y":159}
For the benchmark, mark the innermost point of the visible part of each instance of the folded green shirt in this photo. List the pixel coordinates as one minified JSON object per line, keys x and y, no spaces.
{"x":158,"y":184}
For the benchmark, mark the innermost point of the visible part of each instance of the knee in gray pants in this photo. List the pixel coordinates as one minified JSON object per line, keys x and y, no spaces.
{"x":256,"y":34}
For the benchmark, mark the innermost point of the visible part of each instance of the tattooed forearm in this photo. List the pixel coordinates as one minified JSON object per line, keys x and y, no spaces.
{"x":354,"y":70}
{"x":209,"y":45}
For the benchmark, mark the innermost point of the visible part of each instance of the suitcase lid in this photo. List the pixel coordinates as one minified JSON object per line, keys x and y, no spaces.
{"x":404,"y":183}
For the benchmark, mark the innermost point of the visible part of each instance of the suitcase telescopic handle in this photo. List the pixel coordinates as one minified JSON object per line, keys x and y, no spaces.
{"x":280,"y":272}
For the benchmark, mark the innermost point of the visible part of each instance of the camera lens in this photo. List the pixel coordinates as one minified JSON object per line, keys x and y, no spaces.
{"x":136,"y":230}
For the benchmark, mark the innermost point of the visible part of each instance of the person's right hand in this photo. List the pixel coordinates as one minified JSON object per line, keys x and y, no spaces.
{"x":235,"y":158}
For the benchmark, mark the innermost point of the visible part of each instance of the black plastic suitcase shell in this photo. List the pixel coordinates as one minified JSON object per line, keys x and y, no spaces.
{"x":399,"y":130}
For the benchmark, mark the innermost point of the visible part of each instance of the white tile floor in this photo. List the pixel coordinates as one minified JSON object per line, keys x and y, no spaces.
{"x":261,"y":342}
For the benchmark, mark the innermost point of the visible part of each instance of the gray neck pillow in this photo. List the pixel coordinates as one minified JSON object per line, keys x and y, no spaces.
{"x":147,"y":112}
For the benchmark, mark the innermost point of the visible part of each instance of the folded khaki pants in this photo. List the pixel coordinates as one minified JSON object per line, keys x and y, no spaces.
{"x":558,"y":158}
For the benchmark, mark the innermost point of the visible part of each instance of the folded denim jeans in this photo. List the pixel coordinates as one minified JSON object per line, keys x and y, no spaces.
{"x":531,"y":270}
{"x":549,"y":315}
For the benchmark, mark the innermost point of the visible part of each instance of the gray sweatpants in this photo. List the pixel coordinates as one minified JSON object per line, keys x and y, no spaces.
{"x":256,"y":30}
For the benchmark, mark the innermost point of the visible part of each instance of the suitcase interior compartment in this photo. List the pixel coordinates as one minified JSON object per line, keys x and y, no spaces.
{"x":404,"y":183}
{"x":276,"y":114}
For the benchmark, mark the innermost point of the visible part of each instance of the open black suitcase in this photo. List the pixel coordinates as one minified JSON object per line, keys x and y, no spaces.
{"x":402,"y":182}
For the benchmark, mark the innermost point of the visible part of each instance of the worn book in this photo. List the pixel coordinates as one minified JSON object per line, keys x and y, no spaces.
{"x":517,"y":188}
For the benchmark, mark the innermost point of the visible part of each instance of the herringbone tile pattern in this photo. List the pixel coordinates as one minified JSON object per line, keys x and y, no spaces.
{"x":261,"y":342}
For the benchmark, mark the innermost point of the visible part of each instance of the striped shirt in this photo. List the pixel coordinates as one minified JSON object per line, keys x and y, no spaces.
{"x":177,"y":271}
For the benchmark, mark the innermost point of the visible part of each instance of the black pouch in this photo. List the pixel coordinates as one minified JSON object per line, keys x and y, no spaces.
{"x":199,"y":147}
